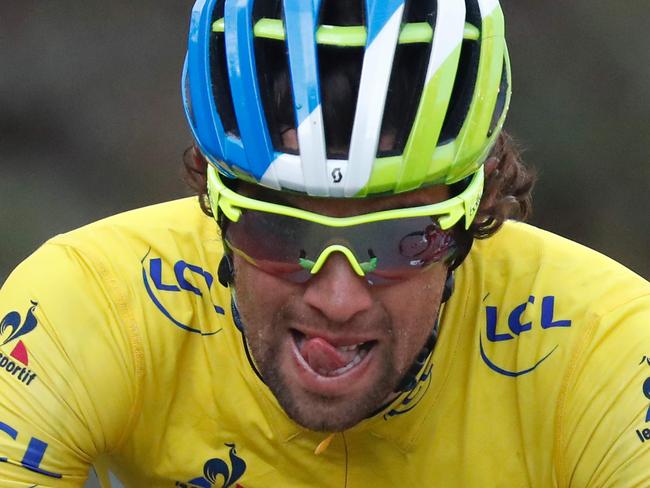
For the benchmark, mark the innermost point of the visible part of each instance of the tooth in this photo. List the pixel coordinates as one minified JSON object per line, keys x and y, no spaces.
{"x":356,"y":360}
{"x":362,"y":353}
{"x":351,"y":347}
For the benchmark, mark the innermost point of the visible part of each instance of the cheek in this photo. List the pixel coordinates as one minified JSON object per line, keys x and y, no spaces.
{"x":413,"y":307}
{"x":259,"y":295}
{"x":419,"y":296}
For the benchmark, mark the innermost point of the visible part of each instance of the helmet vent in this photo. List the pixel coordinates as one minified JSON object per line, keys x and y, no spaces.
{"x":404,"y":93}
{"x":420,"y":11}
{"x":270,"y":9}
{"x":466,"y":75}
{"x":406,"y":82}
{"x":340,"y":76}
{"x":501,"y":99}
{"x":473,"y":13}
{"x":220,"y":80}
{"x":461,"y":95}
{"x":342,"y":13}
{"x":273,"y":76}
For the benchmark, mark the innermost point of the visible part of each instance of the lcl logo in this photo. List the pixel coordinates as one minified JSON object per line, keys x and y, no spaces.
{"x":546,"y":320}
{"x":161,"y":280}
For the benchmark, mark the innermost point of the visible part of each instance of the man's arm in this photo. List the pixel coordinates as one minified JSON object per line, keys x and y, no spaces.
{"x":67,"y":377}
{"x":604,"y":410}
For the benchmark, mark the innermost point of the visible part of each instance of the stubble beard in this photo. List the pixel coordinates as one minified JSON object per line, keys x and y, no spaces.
{"x":326,"y":414}
{"x":316,"y":412}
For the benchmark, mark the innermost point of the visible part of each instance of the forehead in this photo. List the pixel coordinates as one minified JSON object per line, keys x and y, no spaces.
{"x":344,"y":207}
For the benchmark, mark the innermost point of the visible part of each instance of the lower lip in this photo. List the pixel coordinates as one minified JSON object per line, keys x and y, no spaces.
{"x":331,"y":386}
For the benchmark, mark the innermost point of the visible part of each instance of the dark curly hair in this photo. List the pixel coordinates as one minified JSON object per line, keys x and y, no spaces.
{"x":508,"y":189}
{"x":507,"y":193}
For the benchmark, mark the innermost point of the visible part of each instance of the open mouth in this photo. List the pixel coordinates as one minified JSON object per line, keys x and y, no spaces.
{"x":327,"y":359}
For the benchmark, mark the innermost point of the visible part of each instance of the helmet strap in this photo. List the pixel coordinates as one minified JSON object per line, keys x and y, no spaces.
{"x":410,"y":379}
{"x":226,"y":272}
{"x":449,"y":287}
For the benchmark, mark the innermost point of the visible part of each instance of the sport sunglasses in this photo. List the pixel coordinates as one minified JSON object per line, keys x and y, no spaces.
{"x":384,"y":247}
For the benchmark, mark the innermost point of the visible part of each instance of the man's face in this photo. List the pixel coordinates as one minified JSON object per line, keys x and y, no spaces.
{"x":332,"y":350}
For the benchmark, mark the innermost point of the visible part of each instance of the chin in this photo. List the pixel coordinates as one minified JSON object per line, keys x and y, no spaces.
{"x":328,"y":413}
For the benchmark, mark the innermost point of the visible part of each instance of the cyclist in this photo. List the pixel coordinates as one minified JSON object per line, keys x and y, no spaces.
{"x":365,"y":311}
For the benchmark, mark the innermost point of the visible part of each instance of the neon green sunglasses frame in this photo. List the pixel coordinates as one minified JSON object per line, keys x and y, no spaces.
{"x":448,"y":212}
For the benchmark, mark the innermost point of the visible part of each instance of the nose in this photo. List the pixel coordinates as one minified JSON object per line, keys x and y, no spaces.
{"x":337,"y":291}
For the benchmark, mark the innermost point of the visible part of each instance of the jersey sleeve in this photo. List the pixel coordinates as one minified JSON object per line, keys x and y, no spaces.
{"x":604,"y":410}
{"x":68,"y":369}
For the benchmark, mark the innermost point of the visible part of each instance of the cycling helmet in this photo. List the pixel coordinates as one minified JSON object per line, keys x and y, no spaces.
{"x":441,"y":120}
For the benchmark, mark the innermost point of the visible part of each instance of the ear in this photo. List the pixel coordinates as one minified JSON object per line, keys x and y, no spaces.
{"x":491,"y":165}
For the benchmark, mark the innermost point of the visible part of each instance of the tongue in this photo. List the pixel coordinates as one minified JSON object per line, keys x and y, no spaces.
{"x":322,"y":356}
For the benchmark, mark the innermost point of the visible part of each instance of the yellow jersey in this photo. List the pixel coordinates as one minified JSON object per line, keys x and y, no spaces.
{"x":119,"y":349}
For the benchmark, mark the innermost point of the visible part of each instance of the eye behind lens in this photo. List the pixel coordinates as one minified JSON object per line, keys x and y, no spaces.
{"x":426,"y":246}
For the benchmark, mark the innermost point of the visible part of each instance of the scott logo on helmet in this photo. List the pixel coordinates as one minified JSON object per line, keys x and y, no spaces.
{"x":160,"y":280}
{"x":337,"y":175}
{"x":547,"y":320}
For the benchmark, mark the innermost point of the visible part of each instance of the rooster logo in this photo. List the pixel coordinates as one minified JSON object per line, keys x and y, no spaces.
{"x":217,"y":473}
{"x":11,"y":329}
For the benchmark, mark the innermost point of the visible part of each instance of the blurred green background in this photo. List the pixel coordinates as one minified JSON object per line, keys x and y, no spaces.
{"x":91,"y":121}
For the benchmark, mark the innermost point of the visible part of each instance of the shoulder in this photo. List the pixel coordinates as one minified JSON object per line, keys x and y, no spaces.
{"x":111,"y":264}
{"x":92,"y":310}
{"x":115,"y":281}
{"x":531,"y":258}
{"x":75,"y":322}
{"x":181,"y":222}
{"x":536,"y":298}
{"x":154,"y":264}
{"x":87,"y":283}
{"x":563,"y":332}
{"x":148,"y":256}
